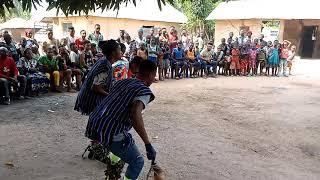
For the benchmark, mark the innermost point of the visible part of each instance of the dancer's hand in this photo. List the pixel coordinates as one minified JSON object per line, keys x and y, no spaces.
{"x":151,"y":152}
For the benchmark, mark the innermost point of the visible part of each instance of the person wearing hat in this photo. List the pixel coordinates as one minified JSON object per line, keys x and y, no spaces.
{"x":9,"y":76}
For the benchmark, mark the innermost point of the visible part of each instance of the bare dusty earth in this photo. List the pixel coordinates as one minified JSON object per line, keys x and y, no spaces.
{"x":224,"y":128}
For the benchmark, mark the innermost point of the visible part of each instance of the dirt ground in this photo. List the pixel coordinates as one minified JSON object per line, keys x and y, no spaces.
{"x":206,"y":129}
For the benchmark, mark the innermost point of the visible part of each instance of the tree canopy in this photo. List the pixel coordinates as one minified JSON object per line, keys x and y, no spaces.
{"x":197,"y":12}
{"x":69,"y":6}
{"x":17,"y":11}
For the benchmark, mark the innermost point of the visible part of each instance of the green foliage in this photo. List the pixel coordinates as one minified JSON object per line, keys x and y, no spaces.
{"x":197,"y":12}
{"x":17,"y":11}
{"x":272,"y":23}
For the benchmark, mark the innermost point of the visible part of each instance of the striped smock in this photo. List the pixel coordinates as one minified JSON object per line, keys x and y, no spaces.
{"x":112,"y":116}
{"x":87,"y":100}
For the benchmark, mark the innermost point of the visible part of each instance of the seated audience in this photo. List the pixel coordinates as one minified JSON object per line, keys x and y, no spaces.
{"x":9,"y":77}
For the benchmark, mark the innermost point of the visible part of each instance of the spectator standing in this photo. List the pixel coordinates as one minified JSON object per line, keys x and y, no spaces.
{"x":121,"y":38}
{"x":164,"y":38}
{"x":74,"y":64}
{"x":248,"y":39}
{"x":157,"y":37}
{"x":230,"y":39}
{"x":96,"y":36}
{"x":71,"y":38}
{"x":173,"y":38}
{"x":242,"y":38}
{"x":140,"y":39}
{"x":262,"y":42}
{"x":185,"y":39}
{"x":200,"y":41}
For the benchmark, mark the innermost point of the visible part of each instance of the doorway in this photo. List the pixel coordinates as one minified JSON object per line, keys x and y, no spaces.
{"x":308,"y":41}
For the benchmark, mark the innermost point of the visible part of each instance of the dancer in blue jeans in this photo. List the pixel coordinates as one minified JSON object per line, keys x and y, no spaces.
{"x":121,"y":110}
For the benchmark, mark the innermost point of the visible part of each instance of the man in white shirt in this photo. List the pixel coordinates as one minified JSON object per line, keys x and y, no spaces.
{"x":71,"y":38}
{"x":140,"y":38}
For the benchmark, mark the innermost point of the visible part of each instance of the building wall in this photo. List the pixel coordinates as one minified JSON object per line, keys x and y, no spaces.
{"x":109,"y":26}
{"x":223,"y":27}
{"x":293,"y":32}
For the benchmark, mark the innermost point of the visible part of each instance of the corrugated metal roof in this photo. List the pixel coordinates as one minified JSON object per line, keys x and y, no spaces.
{"x":147,"y":10}
{"x":266,"y":9}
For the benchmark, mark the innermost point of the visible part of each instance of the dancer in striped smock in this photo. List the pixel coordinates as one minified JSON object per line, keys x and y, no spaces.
{"x":99,"y":79}
{"x":121,"y":110}
{"x":95,"y":88}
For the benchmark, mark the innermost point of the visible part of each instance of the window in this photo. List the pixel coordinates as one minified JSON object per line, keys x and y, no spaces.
{"x":146,"y":30}
{"x":65,"y":27}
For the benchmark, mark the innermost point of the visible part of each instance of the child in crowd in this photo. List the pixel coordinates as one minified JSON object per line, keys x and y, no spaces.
{"x":226,"y":69}
{"x":65,"y":70}
{"x":253,"y":60}
{"x":142,"y":52}
{"x":153,"y":51}
{"x":291,"y":56}
{"x":235,"y":60}
{"x":160,"y":64}
{"x":261,"y":59}
{"x":74,"y":64}
{"x":193,"y":64}
{"x":220,"y":59}
{"x":268,"y":50}
{"x":273,"y":60}
{"x":134,"y":67}
{"x":166,"y":60}
{"x":86,"y":57}
{"x":121,"y":67}
{"x":284,"y":55}
{"x":244,"y":59}
{"x":64,"y":42}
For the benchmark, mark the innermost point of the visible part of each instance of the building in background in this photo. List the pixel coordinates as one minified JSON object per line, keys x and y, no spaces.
{"x":129,"y":17}
{"x":298,"y":21}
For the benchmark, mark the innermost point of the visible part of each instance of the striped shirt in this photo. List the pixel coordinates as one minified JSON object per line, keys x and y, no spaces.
{"x":87,"y":100}
{"x":112,"y":116}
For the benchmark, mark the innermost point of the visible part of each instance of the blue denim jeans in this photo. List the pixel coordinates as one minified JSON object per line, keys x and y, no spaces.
{"x":212,"y":64}
{"x":128,"y":151}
